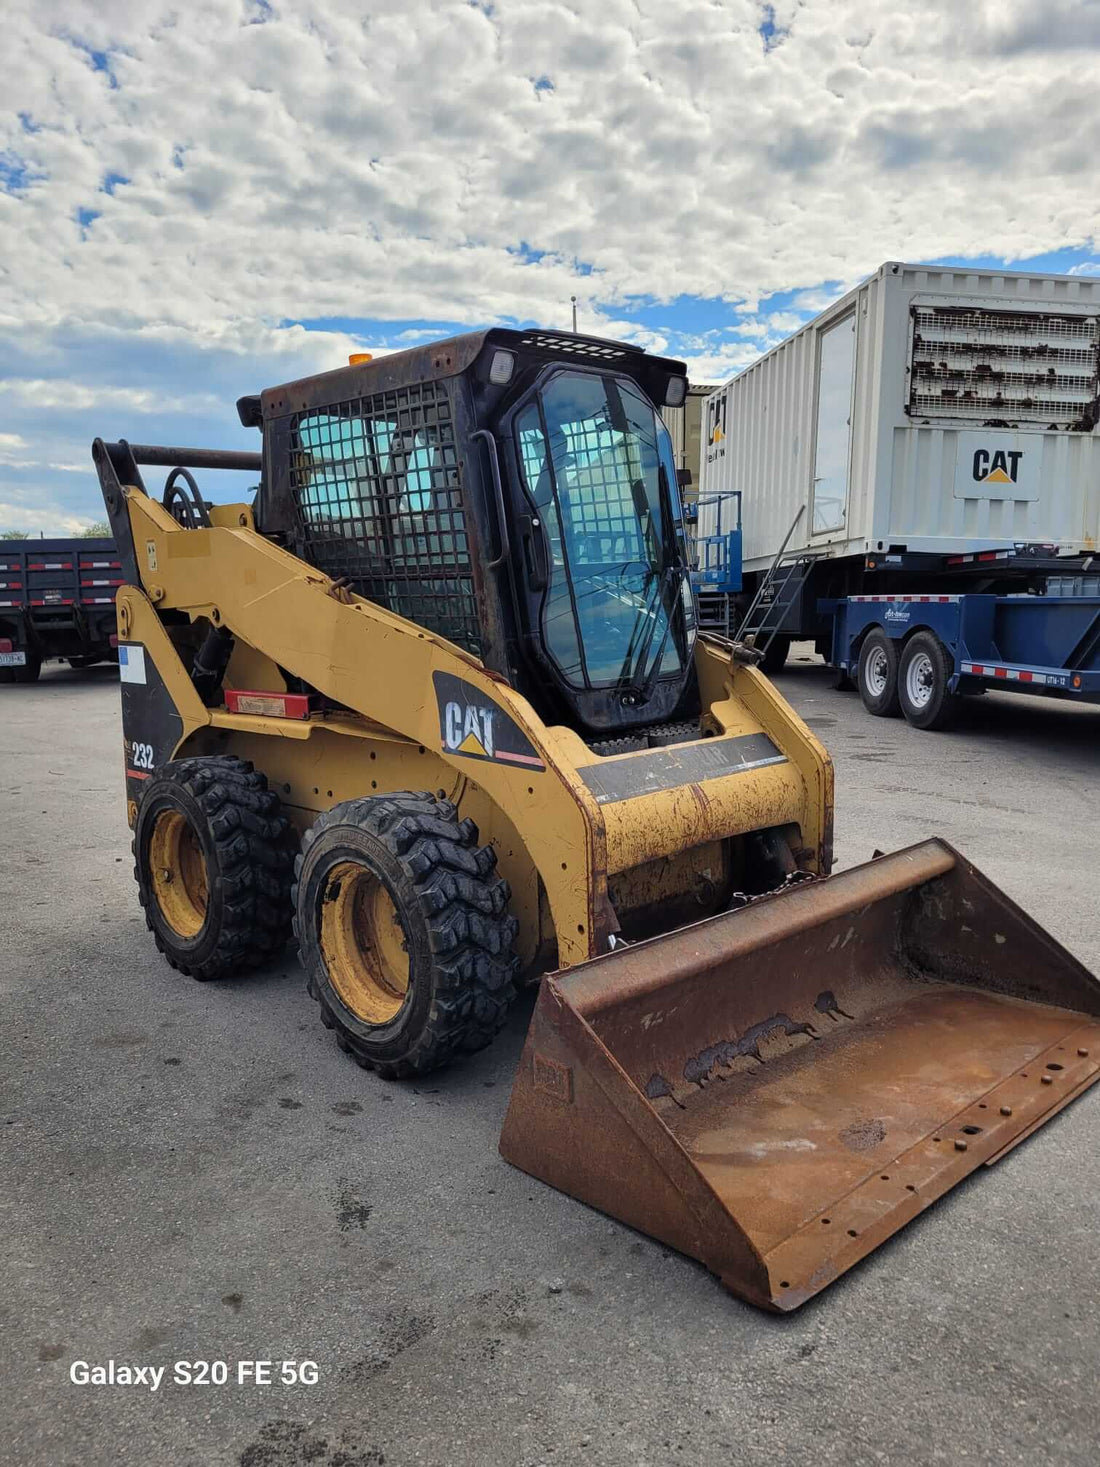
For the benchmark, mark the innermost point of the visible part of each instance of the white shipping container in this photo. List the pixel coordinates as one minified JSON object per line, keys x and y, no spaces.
{"x":932,"y":408}
{"x":685,"y":428}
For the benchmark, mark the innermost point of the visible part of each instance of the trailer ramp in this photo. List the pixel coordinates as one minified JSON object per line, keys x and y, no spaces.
{"x":777,"y":1090}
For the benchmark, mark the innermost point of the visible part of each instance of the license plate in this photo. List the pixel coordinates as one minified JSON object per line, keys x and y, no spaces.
{"x":51,"y":598}
{"x":13,"y":659}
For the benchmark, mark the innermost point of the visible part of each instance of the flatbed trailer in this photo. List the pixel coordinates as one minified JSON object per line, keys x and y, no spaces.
{"x":57,"y":600}
{"x":919,"y":654}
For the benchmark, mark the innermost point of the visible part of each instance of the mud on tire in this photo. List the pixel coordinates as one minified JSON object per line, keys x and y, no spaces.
{"x":225,"y":907}
{"x":404,"y":933}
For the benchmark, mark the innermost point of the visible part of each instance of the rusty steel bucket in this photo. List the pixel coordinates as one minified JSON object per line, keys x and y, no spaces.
{"x":777,"y":1090}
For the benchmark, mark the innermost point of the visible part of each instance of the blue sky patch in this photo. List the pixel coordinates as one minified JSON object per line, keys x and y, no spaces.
{"x":771,"y":32}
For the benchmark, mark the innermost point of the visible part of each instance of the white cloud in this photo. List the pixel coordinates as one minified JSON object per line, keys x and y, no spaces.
{"x":45,"y":393}
{"x":164,"y":212}
{"x":41,"y":520}
{"x":421,"y":333}
{"x":387,"y":161}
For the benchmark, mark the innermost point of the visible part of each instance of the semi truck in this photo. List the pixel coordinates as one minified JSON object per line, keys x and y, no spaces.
{"x":921,"y":461}
{"x":57,"y":600}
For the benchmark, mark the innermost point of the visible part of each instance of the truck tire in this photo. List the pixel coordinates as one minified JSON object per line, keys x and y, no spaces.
{"x":28,"y":673}
{"x":775,"y":658}
{"x":878,"y":675}
{"x":214,"y":864}
{"x":404,"y":933}
{"x":922,"y":683}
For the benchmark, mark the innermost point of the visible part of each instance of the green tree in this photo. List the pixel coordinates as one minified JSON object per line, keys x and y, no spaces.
{"x":15,"y":534}
{"x":101,"y":530}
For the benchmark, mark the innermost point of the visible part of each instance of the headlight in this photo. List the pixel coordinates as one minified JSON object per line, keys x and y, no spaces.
{"x":675,"y":392}
{"x":501,"y":368}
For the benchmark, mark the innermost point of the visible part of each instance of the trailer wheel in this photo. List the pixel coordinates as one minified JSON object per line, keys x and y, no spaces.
{"x":214,"y":863}
{"x":404,"y":933}
{"x":923,"y":676}
{"x":878,"y":675}
{"x":775,"y":658}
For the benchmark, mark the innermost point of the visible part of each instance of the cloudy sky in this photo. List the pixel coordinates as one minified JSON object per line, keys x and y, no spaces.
{"x":200,"y":200}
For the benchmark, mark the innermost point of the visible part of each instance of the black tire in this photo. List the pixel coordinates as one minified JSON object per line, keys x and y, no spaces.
{"x":775,"y":658}
{"x":224,"y":906}
{"x":923,"y":674}
{"x":877,"y":675}
{"x":28,"y":673}
{"x":394,"y":890}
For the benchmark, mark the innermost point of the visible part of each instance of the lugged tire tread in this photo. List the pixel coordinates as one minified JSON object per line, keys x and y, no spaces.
{"x":255,"y":844}
{"x":464,"y":905}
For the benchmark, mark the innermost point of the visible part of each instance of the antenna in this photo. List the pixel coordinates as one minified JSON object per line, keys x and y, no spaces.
{"x":573,"y":298}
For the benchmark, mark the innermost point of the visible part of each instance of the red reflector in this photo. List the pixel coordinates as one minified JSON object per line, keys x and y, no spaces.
{"x":114,"y":640}
{"x":270,"y":705}
{"x":6,"y":644}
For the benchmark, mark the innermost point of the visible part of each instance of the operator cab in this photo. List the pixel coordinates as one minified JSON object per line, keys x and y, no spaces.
{"x":515,"y":492}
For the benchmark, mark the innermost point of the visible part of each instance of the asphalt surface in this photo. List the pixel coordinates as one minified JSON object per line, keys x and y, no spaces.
{"x":194,"y":1172}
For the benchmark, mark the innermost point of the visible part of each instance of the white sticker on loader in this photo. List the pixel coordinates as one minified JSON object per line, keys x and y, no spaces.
{"x":131,"y":663}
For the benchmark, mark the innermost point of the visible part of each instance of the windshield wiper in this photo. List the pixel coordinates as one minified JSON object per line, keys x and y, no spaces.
{"x":639,"y":681}
{"x":642,"y":683}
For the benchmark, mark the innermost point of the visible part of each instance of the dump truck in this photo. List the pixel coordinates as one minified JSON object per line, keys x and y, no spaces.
{"x":57,"y":601}
{"x":437,"y":702}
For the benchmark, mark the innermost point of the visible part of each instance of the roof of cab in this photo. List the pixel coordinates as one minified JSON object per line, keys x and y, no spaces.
{"x":439,"y":359}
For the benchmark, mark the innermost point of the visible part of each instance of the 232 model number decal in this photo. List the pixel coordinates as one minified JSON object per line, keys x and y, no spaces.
{"x":142,"y":757}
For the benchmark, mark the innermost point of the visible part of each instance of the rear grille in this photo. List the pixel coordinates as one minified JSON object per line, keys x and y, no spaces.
{"x":970,"y":362}
{"x":377,"y":493}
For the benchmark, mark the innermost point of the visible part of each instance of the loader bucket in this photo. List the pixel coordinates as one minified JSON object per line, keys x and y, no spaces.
{"x":777,"y":1090}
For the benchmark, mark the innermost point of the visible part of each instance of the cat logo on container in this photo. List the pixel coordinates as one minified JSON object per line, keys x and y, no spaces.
{"x":1001,"y":466}
{"x":475,"y":728}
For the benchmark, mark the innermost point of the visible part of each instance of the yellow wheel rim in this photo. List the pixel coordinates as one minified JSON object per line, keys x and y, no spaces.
{"x":364,"y":944}
{"x":179,"y":873}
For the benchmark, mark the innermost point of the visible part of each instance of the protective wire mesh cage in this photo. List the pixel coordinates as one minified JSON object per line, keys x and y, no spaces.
{"x":973,"y":362}
{"x":378,"y":496}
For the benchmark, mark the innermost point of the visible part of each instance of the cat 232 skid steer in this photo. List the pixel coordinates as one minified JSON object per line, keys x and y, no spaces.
{"x":436,"y":699}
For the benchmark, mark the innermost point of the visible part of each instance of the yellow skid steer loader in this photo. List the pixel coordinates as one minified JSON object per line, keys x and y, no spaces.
{"x":436,"y":698}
